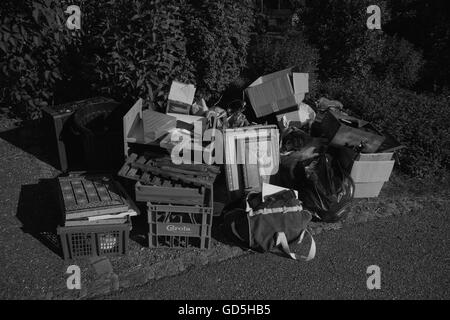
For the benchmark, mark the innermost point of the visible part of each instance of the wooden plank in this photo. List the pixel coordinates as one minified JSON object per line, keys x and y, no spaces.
{"x":102,"y":192}
{"x":67,"y":194}
{"x":175,"y":176}
{"x":168,"y":195}
{"x":80,"y":194}
{"x":141,"y":160}
{"x":91,"y":192}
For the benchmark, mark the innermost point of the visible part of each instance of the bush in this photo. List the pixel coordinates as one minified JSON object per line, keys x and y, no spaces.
{"x":139,"y":48}
{"x":33,"y":40}
{"x":388,"y":59}
{"x":337,"y":29}
{"x":418,"y":121}
{"x":270,"y":54}
{"x":125,"y":49}
{"x":218,"y":37}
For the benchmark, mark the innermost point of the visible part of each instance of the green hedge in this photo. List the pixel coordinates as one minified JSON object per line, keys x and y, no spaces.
{"x":139,"y":47}
{"x":218,"y":35}
{"x":270,"y":54}
{"x":125,"y":49}
{"x":33,"y":43}
{"x":418,"y":121}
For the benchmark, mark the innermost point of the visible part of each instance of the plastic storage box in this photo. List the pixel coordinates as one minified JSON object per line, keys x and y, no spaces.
{"x":181,"y":226}
{"x":87,"y":241}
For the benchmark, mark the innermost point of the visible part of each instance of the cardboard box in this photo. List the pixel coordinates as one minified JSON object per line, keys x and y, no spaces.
{"x":343,"y":130}
{"x":370,"y":176}
{"x":368,"y":190}
{"x":369,"y":171}
{"x":277,"y":91}
{"x":181,"y":98}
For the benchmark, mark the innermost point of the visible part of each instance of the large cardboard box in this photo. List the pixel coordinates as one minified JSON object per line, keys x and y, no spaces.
{"x":277,"y":91}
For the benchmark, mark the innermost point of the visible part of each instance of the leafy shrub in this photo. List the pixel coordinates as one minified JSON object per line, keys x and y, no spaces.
{"x":426,"y":24}
{"x":270,"y":54}
{"x":337,"y":29}
{"x":349,"y":49}
{"x":218,"y":37}
{"x":388,"y":59}
{"x":125,"y":49}
{"x":139,"y":48}
{"x":418,"y":121}
{"x":33,"y":39}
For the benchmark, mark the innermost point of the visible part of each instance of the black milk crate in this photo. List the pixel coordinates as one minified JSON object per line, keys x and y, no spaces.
{"x":181,"y":226}
{"x":88,"y":241}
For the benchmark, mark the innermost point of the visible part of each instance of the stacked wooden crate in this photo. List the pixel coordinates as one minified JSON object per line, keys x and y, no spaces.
{"x":179,"y":200}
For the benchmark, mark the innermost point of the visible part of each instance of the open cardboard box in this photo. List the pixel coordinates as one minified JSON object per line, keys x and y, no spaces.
{"x":181,"y":98}
{"x":277,"y":91}
{"x":369,"y":171}
{"x":137,"y":119}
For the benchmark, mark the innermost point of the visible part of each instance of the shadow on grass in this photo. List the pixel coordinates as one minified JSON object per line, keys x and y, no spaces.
{"x":39,"y":213}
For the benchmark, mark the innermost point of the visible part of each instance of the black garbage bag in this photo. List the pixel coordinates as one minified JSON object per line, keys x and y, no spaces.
{"x":323,"y":186}
{"x":328,"y":190}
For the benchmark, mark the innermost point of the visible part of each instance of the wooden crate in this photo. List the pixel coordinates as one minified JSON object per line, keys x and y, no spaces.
{"x":144,"y":168}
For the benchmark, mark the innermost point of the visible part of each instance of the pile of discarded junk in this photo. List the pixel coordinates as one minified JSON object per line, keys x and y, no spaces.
{"x":262,"y":170}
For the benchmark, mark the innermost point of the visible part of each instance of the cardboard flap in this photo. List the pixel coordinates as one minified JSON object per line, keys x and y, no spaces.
{"x":271,"y":77}
{"x":301,"y":82}
{"x":271,"y":96}
{"x":181,"y":92}
{"x":269,"y":189}
{"x":375,"y":156}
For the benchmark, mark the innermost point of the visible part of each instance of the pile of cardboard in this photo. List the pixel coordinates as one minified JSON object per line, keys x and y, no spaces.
{"x":362,"y":149}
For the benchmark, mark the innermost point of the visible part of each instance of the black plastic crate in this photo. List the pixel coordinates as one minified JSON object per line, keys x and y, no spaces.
{"x":180,"y":226}
{"x":88,"y":241}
